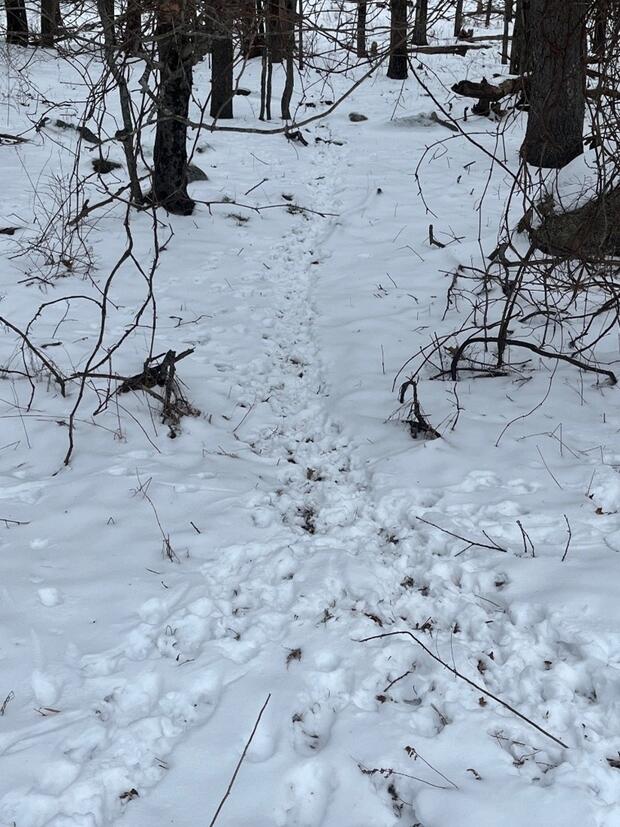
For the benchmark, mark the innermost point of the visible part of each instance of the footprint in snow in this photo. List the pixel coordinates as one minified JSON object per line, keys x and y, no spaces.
{"x":306,"y":795}
{"x":312,"y":728}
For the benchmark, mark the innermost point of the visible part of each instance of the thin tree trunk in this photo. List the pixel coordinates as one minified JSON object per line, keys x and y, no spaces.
{"x":489,"y":12}
{"x":599,"y":38}
{"x":420,"y":24}
{"x":49,"y":21}
{"x":458,"y":17}
{"x":300,"y":35}
{"x":557,"y":41}
{"x":506,"y":32}
{"x":288,"y":26}
{"x":127,"y":134}
{"x":16,"y":22}
{"x":519,"y":51}
{"x":361,"y":28}
{"x":222,"y":61}
{"x":397,"y":67}
{"x":175,"y":89}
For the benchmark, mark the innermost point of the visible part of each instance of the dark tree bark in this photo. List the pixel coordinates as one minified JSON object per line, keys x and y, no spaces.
{"x":300,"y":36}
{"x":557,"y":45}
{"x":174,"y":45}
{"x":248,"y":28}
{"x":361,"y":28}
{"x":420,"y":23}
{"x":49,"y":21}
{"x":222,"y":61}
{"x":397,"y":67}
{"x":506,"y":32}
{"x":599,"y":33}
{"x":275,"y":34}
{"x":132,"y":30}
{"x":288,"y":25}
{"x":16,"y":22}
{"x":458,"y":17}
{"x":519,"y":51}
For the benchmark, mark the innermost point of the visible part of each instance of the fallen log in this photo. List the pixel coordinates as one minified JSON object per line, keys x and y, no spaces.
{"x":487,"y":93}
{"x":459,"y":49}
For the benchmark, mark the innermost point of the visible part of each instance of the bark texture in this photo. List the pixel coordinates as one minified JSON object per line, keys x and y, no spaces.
{"x":557,"y":54}
{"x":175,"y":87}
{"x":360,"y":31}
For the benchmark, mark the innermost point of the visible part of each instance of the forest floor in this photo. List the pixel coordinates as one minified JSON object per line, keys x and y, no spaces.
{"x":298,"y":516}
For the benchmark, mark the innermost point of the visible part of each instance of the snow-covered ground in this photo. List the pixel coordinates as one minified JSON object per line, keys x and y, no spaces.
{"x":300,"y":518}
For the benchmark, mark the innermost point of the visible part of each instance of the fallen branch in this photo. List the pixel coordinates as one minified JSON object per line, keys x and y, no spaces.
{"x":561,"y":357}
{"x":470,"y":543}
{"x":476,"y":686}
{"x":493,"y":92}
{"x":460,"y":49}
{"x":239,"y":762}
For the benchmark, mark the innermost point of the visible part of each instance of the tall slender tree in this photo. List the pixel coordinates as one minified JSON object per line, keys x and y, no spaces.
{"x":222,"y":59}
{"x":288,"y":26}
{"x":360,"y":31}
{"x":420,"y":23}
{"x":556,"y":35}
{"x":397,"y":66}
{"x":173,"y":35}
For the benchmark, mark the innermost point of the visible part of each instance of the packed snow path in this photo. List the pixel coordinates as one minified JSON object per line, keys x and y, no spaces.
{"x":310,"y":542}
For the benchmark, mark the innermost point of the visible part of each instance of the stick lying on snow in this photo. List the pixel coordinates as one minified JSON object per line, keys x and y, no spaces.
{"x":471,"y":683}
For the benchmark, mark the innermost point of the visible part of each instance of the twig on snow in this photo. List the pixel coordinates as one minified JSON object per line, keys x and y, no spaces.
{"x":570,"y":534}
{"x":240,"y":762}
{"x":467,"y":680}
{"x":470,"y":543}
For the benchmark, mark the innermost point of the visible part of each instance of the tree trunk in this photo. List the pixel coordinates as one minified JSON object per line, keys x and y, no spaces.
{"x":288,"y":26}
{"x":458,"y":17}
{"x":601,"y":12}
{"x":519,"y":51}
{"x":132,"y":32}
{"x":222,"y":61}
{"x":275,"y":34}
{"x":175,"y":87}
{"x":16,"y":22}
{"x":397,"y":67}
{"x":361,"y":28}
{"x":557,"y":41}
{"x":506,"y":32}
{"x":248,"y":27}
{"x":49,"y":20}
{"x":420,"y":24}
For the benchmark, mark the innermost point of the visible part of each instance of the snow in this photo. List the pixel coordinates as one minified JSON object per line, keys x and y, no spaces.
{"x":302,"y":516}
